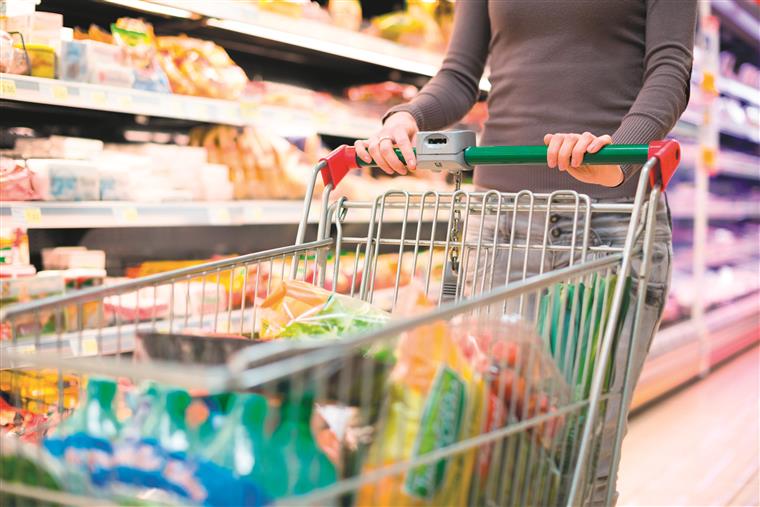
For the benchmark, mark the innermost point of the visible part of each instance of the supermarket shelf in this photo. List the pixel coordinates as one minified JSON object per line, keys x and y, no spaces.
{"x":719,"y":255}
{"x":739,"y":90}
{"x":720,"y":210}
{"x":741,"y":16}
{"x":279,"y":120}
{"x":244,"y":18}
{"x":676,"y":353}
{"x":731,"y":87}
{"x":108,"y":214}
{"x":730,"y":163}
{"x":692,"y":118}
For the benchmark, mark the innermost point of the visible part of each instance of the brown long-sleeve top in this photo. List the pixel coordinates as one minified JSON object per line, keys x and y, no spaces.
{"x":619,"y":67}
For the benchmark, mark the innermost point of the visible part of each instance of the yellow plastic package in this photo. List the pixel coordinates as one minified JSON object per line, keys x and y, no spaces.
{"x":435,"y":399}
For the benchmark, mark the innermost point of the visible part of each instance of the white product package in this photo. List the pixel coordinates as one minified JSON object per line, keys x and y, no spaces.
{"x":65,"y":180}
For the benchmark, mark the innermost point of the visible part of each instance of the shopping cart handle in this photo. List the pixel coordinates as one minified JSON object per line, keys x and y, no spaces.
{"x":668,"y":153}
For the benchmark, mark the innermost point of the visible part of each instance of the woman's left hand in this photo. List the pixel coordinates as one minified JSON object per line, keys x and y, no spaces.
{"x":566,"y":153}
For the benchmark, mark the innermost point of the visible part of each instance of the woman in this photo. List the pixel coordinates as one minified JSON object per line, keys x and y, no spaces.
{"x":575,"y":75}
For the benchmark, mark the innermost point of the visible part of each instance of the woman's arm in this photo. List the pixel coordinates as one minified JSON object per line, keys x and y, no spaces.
{"x":668,"y":60}
{"x":453,"y":91}
{"x":444,"y":100}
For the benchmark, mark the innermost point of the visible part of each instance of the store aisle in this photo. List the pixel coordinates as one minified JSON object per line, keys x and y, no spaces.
{"x":699,"y":447}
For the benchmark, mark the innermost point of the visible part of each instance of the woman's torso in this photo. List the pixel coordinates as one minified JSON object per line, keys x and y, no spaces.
{"x":560,"y":66}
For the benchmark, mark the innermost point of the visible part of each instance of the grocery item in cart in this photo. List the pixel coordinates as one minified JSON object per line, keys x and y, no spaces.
{"x":575,"y":350}
{"x":434,"y":399}
{"x":296,"y":309}
{"x":307,"y":467}
{"x":440,"y":378}
{"x":243,"y":446}
{"x":96,"y":416}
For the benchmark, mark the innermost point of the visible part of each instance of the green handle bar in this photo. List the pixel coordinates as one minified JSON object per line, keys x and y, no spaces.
{"x":503,"y":155}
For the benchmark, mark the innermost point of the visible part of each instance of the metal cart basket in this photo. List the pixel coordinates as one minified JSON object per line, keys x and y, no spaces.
{"x":483,"y":258}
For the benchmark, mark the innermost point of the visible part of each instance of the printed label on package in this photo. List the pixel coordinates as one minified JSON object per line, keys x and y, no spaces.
{"x":441,"y":423}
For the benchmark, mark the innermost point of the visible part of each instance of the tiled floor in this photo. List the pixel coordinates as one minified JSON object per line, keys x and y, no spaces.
{"x":700,"y":447}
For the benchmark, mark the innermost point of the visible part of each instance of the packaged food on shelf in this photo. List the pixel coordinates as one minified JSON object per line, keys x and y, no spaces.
{"x":91,"y":61}
{"x":17,"y":182}
{"x":345,"y":13}
{"x":136,"y":38}
{"x":260,"y":165}
{"x":14,"y":246}
{"x":13,"y":60}
{"x":73,"y":148}
{"x":416,"y":26}
{"x":307,"y":9}
{"x":46,"y":30}
{"x":42,"y":60}
{"x":65,"y":180}
{"x":199,"y":67}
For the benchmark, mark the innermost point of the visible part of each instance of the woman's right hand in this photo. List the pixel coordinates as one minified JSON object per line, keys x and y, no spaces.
{"x":399,"y":130}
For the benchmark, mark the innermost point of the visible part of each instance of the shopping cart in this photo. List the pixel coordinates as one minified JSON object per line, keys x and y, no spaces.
{"x":477,"y":255}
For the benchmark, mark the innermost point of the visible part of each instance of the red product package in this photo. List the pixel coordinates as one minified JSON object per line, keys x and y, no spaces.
{"x":17,"y":181}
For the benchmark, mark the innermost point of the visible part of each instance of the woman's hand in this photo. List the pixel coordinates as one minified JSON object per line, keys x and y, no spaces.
{"x":399,"y":130}
{"x":566,"y":153}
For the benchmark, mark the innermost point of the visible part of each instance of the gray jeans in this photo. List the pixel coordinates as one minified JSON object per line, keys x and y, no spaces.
{"x":605,"y":229}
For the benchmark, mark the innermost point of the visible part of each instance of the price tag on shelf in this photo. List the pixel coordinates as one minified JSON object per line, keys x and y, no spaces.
{"x":85,"y":346}
{"x":124,"y":101}
{"x":126,"y":214}
{"x":174,"y":108}
{"x":196,"y":110}
{"x":7,"y":88}
{"x":252,"y":214}
{"x":59,"y":92}
{"x":25,"y":349}
{"x":249,"y":111}
{"x":219,"y":216}
{"x":30,"y":216}
{"x":99,"y":98}
{"x":33,"y":216}
{"x":89,"y":347}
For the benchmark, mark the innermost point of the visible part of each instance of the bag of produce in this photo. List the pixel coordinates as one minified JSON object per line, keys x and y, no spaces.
{"x":300,"y":310}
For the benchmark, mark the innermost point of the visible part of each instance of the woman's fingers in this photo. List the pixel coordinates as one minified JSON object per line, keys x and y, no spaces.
{"x":361,"y":151}
{"x":598,"y":143}
{"x":566,"y":150}
{"x":553,"y":141}
{"x":576,"y":157}
{"x":387,"y":149}
{"x":377,"y":156}
{"x":405,"y":145}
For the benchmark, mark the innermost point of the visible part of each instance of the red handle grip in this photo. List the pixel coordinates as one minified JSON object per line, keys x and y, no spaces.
{"x":668,"y":154}
{"x":338,"y":163}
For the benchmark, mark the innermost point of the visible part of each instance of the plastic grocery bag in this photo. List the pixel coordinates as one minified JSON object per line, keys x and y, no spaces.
{"x":296,"y":309}
{"x":451,"y":382}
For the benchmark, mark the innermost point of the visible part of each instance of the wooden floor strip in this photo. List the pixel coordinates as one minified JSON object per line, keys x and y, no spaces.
{"x":699,"y":447}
